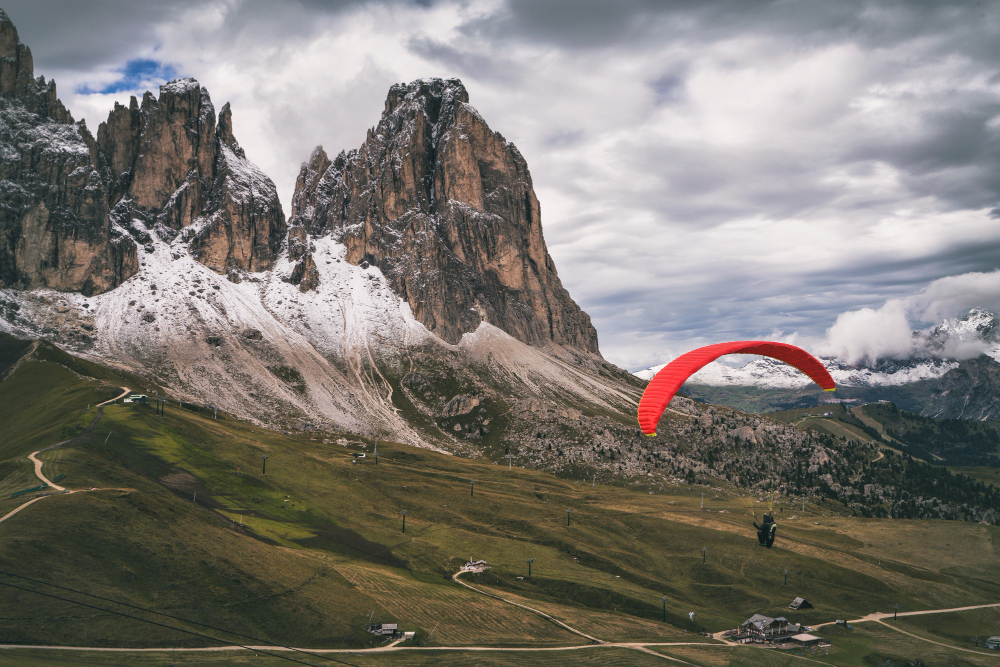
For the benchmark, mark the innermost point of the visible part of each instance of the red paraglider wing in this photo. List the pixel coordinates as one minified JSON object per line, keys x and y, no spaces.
{"x":665,"y":384}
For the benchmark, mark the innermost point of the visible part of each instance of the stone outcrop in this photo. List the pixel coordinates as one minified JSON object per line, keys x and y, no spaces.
{"x":171,"y":162}
{"x":971,"y":391}
{"x":445,"y":208}
{"x":55,"y":230}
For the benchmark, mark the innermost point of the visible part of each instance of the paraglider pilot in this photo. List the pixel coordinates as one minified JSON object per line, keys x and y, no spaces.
{"x":766,"y":530}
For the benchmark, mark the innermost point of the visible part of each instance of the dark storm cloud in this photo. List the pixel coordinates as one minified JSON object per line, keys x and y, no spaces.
{"x":889,"y":271}
{"x":955,"y":154}
{"x":75,"y":35}
{"x":81,"y":35}
{"x":467,"y":63}
{"x":597,"y":24}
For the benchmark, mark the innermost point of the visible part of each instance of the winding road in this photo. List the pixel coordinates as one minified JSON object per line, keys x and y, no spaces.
{"x":880,"y":616}
{"x":33,"y":457}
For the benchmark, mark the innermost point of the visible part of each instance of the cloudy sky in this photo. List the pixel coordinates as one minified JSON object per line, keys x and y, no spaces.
{"x":822,"y":172}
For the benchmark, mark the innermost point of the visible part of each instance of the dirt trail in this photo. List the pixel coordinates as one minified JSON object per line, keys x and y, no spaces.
{"x":125,"y":391}
{"x":950,"y":646}
{"x":19,"y":508}
{"x":880,"y":616}
{"x":33,"y":457}
{"x":537,"y":612}
{"x":39,"y":475}
{"x":639,"y":646}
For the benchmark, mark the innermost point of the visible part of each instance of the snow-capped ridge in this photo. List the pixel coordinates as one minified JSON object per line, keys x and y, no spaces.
{"x":977,"y":332}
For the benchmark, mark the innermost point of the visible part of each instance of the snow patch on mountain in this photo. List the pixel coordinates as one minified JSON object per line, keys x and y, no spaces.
{"x":352,"y":309}
{"x":260,"y":348}
{"x":978,"y":332}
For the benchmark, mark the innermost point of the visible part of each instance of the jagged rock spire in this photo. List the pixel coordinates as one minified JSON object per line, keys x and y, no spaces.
{"x":445,"y":208}
{"x":55,"y":231}
{"x":173,"y":163}
{"x":17,"y":77}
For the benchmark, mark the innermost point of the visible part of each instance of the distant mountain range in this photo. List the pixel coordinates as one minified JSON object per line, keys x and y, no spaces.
{"x":931,"y":383}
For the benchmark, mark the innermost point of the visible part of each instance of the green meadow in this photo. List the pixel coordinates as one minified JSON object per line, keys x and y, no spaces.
{"x":183,"y":521}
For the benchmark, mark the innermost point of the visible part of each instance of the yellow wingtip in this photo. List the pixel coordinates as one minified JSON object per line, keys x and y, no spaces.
{"x":650,"y":435}
{"x":833,"y":389}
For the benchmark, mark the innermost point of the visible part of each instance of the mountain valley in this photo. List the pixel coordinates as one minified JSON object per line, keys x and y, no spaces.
{"x":335,"y":412}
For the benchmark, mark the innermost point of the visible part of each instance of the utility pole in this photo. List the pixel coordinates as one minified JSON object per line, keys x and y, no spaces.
{"x":376,"y":451}
{"x":704,"y":554}
{"x":530,"y":561}
{"x":702,"y":500}
{"x":593,"y":484}
{"x":263,"y":464}
{"x":664,"y":601}
{"x":216,"y":413}
{"x":195,"y":498}
{"x":976,"y":640}
{"x":404,"y":513}
{"x":510,"y":462}
{"x":569,"y":510}
{"x":803,"y":503}
{"x":472,"y":488}
{"x":895,"y":610}
{"x":786,"y":577}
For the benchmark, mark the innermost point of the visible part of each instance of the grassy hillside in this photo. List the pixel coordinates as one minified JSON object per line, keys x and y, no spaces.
{"x":953,"y":442}
{"x":956,"y":442}
{"x":183,"y":521}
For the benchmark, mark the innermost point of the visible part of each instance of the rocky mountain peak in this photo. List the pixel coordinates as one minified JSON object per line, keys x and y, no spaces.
{"x":985,"y":323}
{"x":432,"y":96}
{"x":17,"y":77}
{"x":225,"y":130}
{"x":308,"y":181}
{"x":176,"y":165}
{"x":445,"y":208}
{"x":55,"y":230}
{"x":978,"y":325}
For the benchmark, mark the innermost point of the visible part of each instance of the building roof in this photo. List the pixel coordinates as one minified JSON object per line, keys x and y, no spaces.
{"x":800,"y":603}
{"x":761,"y":621}
{"x":806,"y":637}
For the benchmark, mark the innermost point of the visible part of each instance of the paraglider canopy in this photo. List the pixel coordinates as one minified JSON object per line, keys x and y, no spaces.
{"x":665,"y":383}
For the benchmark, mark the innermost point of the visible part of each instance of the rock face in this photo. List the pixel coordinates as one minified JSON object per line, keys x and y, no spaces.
{"x":445,"y":208}
{"x":971,"y":391}
{"x":173,"y":164}
{"x":55,"y":230}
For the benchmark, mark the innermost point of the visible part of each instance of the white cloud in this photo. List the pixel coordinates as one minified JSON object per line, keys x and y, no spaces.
{"x":867,"y":335}
{"x":954,"y":295}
